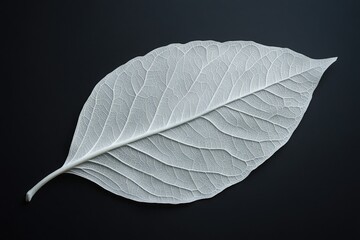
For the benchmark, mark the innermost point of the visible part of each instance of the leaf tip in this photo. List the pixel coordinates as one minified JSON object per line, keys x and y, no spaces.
{"x":333,"y":59}
{"x":328,"y":61}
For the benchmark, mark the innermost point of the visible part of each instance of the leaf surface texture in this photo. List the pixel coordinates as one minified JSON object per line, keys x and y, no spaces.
{"x":186,"y":121}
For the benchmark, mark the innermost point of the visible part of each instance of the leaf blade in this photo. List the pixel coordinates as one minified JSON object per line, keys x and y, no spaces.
{"x":272,"y":78}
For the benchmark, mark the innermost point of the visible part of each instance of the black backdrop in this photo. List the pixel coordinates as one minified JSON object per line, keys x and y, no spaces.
{"x":59,"y":50}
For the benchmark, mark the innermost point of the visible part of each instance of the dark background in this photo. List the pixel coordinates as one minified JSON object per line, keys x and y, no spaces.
{"x":59,"y":50}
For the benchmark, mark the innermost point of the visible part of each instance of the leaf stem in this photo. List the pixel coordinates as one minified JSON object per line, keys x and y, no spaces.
{"x":52,"y":175}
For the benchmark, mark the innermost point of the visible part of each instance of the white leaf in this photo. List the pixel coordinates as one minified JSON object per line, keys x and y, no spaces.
{"x":186,"y":121}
